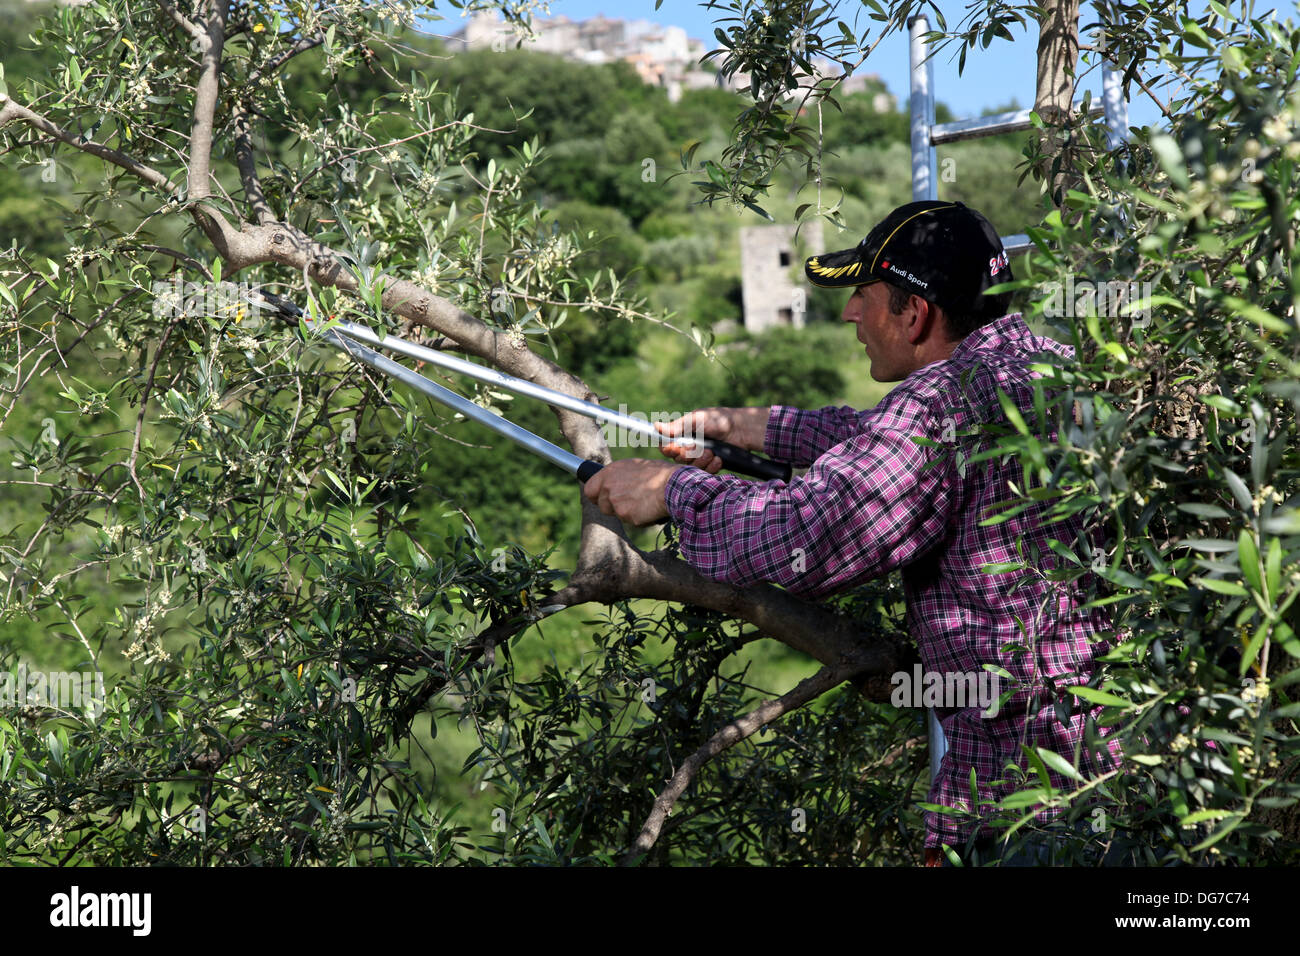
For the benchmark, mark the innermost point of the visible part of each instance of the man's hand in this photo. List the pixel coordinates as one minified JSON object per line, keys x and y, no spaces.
{"x":745,"y":427}
{"x":631,"y":489}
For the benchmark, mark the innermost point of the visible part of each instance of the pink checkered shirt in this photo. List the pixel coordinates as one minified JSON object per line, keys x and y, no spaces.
{"x":874,"y":500}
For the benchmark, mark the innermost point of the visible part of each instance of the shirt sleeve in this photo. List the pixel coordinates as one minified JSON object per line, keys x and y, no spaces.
{"x":800,"y":437}
{"x":873,"y":503}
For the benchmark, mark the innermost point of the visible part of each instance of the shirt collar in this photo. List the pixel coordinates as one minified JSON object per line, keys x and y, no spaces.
{"x":993,"y":335}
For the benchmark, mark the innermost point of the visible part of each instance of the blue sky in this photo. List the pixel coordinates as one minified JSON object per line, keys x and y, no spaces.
{"x":992,"y":77}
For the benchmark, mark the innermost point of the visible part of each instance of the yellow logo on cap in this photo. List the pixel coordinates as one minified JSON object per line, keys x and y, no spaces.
{"x":850,"y":269}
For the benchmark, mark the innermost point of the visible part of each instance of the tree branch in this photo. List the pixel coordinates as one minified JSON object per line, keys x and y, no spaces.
{"x":806,"y":690}
{"x":834,"y":640}
{"x":247,"y":164}
{"x":219,"y":232}
{"x":205,"y":100}
{"x":1058,"y":54}
{"x":609,"y":568}
{"x":15,"y":111}
{"x":178,"y":256}
{"x":1137,"y":77}
{"x":184,"y":22}
{"x":302,"y":46}
{"x":144,"y":407}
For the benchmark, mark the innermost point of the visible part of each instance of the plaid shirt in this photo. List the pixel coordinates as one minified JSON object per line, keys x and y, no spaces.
{"x":873,"y":501}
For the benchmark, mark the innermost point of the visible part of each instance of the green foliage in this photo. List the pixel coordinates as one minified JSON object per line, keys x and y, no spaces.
{"x":857,"y":122}
{"x":771,"y":47}
{"x":700,"y":114}
{"x":831,"y":785}
{"x":242,"y":532}
{"x":1177,"y":431}
{"x":269,"y":555}
{"x":577,"y":101}
{"x":789,"y":367}
{"x":611,"y":241}
{"x":602,"y":123}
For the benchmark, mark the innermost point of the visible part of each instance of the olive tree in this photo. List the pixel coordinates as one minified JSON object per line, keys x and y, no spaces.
{"x":210,"y":475}
{"x":259,"y":496}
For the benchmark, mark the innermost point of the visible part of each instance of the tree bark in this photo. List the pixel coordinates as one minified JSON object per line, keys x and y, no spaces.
{"x":1058,"y":57}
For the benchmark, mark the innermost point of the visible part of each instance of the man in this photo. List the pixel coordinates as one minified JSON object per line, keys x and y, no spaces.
{"x":894,"y":487}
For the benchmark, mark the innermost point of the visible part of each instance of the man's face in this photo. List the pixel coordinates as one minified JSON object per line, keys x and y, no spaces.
{"x":880,"y":331}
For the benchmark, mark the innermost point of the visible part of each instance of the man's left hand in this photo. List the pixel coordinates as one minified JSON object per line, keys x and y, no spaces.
{"x":632,"y":489}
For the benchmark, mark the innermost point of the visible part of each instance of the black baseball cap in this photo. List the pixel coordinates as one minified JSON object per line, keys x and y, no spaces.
{"x":945,"y":252}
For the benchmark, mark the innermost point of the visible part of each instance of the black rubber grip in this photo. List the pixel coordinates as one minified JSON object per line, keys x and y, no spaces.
{"x":737,"y":459}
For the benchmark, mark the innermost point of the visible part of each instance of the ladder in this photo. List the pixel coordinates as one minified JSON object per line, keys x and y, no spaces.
{"x":926,"y":135}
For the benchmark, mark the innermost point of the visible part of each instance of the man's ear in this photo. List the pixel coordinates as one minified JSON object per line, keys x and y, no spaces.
{"x":924,"y":320}
{"x":933,"y":325}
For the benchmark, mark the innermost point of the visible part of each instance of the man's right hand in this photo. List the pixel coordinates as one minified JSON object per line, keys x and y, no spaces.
{"x":745,"y":427}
